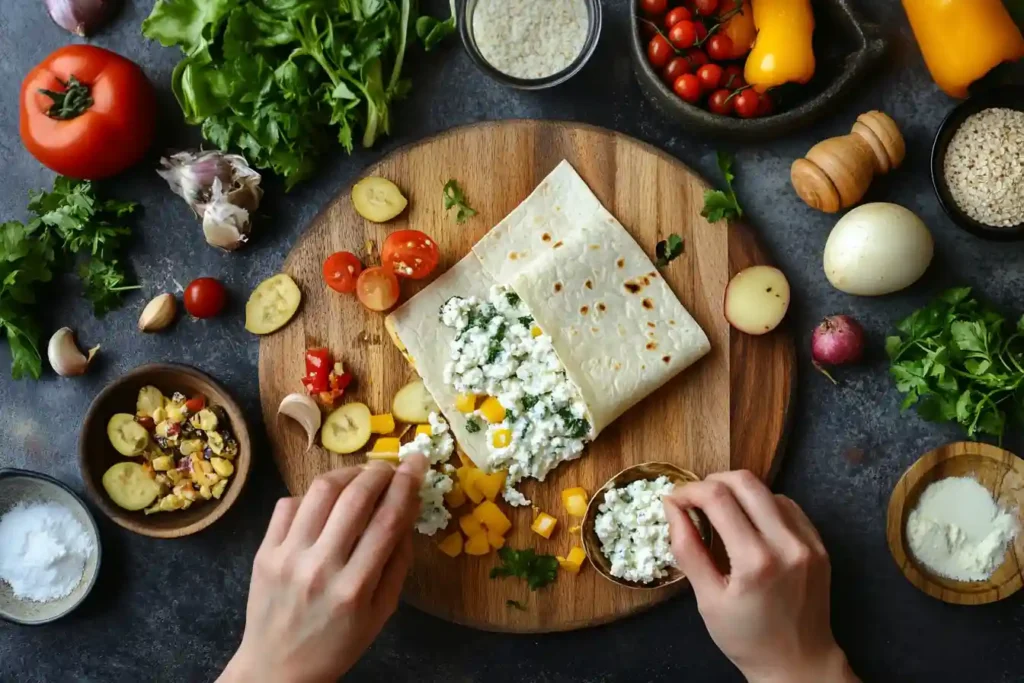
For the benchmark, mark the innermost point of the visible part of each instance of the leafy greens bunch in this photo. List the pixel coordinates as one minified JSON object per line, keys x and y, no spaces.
{"x":281,"y":79}
{"x":67,"y":222}
{"x":956,"y":361}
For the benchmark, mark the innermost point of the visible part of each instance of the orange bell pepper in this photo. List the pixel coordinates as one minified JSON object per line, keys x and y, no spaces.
{"x":739,"y":26}
{"x":962,"y":40}
{"x":782,"y":51}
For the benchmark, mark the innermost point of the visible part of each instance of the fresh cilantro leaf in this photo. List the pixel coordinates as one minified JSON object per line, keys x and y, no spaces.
{"x":455,"y":198}
{"x":432,"y":32}
{"x":472,"y":425}
{"x":668,"y":250}
{"x":537,"y":570}
{"x":516,"y":604}
{"x":718,"y":204}
{"x":103,"y":284}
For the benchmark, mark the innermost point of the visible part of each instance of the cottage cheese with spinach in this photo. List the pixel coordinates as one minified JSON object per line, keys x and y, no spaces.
{"x":633,"y":530}
{"x":498,"y":351}
{"x":436,"y":448}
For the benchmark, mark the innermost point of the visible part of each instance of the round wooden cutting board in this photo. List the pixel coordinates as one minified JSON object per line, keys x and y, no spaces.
{"x":729,"y":411}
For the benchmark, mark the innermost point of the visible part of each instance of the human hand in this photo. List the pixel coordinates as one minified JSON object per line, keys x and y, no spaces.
{"x":770,"y":615}
{"x":329,"y":574}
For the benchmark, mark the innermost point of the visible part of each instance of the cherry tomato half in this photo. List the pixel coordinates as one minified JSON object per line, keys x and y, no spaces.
{"x":204,"y":297}
{"x":720,"y":47}
{"x":410,"y":253}
{"x":720,"y":103}
{"x":675,"y":15}
{"x":658,"y":51}
{"x":195,"y":404}
{"x":377,"y":288}
{"x":683,"y":34}
{"x":706,"y":7}
{"x":687,"y":87}
{"x":676,"y":67}
{"x":341,"y":269}
{"x":732,"y":77}
{"x":746,"y":104}
{"x":710,"y":76}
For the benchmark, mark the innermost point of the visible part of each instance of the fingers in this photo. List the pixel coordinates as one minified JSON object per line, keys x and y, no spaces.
{"x":722,"y":509}
{"x":690,"y":552}
{"x":316,"y":506}
{"x":353,"y":509}
{"x":801,"y":524}
{"x":392,"y":578}
{"x":761,"y":508}
{"x":281,"y":521}
{"x":391,"y":524}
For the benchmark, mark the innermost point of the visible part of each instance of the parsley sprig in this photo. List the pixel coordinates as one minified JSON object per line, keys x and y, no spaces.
{"x":455,"y":198}
{"x":537,"y":570}
{"x":718,"y":204}
{"x":956,"y":361}
{"x":668,"y":250}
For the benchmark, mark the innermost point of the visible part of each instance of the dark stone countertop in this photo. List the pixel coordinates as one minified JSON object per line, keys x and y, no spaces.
{"x":173,"y":610}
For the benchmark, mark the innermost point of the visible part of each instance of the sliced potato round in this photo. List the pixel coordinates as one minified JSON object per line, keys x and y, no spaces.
{"x":413,"y":404}
{"x":272,"y":304}
{"x":347,"y":429}
{"x":378,"y":199}
{"x":150,"y":398}
{"x":126,"y":435}
{"x":129,"y":486}
{"x":756,"y":299}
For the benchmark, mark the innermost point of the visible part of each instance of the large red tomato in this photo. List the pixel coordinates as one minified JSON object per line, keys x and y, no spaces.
{"x":87,"y":112}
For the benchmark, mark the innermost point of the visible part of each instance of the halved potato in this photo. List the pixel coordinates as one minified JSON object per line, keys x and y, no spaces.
{"x":347,"y":429}
{"x":129,"y":486}
{"x":756,"y":299}
{"x":414,"y":404}
{"x":126,"y":435}
{"x":272,"y":304}
{"x":378,"y":199}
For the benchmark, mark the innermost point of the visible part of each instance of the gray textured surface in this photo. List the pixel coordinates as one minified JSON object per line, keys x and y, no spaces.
{"x":173,"y":610}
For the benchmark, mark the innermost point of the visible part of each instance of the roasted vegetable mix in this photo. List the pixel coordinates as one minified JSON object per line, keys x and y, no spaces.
{"x":279,"y":79}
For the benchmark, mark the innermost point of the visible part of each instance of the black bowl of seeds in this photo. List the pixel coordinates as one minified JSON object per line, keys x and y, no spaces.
{"x":978,"y":164}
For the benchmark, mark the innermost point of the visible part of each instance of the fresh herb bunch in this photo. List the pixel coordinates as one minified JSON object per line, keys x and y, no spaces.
{"x":537,"y":570}
{"x":280,"y":79}
{"x":718,"y":204}
{"x":956,"y":361}
{"x":455,"y":198}
{"x":68,"y":222}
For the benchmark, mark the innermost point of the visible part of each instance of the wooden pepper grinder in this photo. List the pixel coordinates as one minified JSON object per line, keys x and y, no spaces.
{"x":836,"y":173}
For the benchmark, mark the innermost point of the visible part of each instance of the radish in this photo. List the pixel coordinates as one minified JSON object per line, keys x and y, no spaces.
{"x":837,"y":340}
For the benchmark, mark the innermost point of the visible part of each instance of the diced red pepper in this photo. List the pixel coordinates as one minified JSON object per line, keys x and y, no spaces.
{"x":195,"y":404}
{"x":318,"y":360}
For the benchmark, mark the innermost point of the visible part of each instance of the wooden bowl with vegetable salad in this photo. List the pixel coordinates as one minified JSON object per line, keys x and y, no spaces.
{"x":97,"y":453}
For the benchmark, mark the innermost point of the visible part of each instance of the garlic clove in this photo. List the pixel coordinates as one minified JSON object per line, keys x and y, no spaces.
{"x":65,"y":357}
{"x":158,"y":313}
{"x":225,"y":225}
{"x":305,"y":411}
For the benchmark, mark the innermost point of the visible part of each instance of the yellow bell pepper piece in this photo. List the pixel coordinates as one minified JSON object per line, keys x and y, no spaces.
{"x":491,"y":484}
{"x":573,"y":561}
{"x":575,"y":501}
{"x":452,"y":544}
{"x":544,"y":525}
{"x":491,"y":516}
{"x":465,"y":403}
{"x":455,"y":498}
{"x":477,"y":545}
{"x":782,"y":52}
{"x":470,"y":525}
{"x":492,"y":410}
{"x":424,"y":429}
{"x":382,"y":424}
{"x":501,"y":438}
{"x":962,"y":40}
{"x":465,"y":459}
{"x":384,"y":448}
{"x":468,"y":477}
{"x":496,"y":541}
{"x":535,"y":331}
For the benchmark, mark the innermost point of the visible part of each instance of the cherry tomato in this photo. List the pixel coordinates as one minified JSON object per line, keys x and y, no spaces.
{"x":658,"y":51}
{"x":195,"y":404}
{"x":676,"y":67}
{"x":341,"y":270}
{"x":410,"y":253}
{"x":204,"y":297}
{"x":147,"y":423}
{"x":377,"y":288}
{"x":746,"y":104}
{"x":683,"y":34}
{"x":654,"y":6}
{"x":732,"y":77}
{"x":702,"y":31}
{"x":687,"y":87}
{"x":706,"y":7}
{"x":720,"y":47}
{"x":87,"y":112}
{"x":765,"y":105}
{"x":696,"y":57}
{"x":675,"y":15}
{"x":720,"y":103}
{"x":710,"y":76}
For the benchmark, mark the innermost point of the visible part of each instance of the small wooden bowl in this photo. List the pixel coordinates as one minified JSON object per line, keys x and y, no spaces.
{"x":96,"y":455}
{"x":1002,"y":473}
{"x":592,"y":544}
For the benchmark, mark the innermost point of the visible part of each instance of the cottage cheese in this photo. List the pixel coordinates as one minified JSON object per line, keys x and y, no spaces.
{"x":634,"y":532}
{"x":495,"y":353}
{"x":530,"y":38}
{"x":436,"y":448}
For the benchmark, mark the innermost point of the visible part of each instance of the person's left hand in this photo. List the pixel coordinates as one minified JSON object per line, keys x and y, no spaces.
{"x":329,"y":574}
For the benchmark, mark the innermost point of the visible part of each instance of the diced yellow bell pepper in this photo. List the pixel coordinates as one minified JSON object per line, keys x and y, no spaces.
{"x":382,"y":424}
{"x":575,"y":501}
{"x":465,"y":403}
{"x":470,"y":525}
{"x":163,"y":463}
{"x":424,"y":429}
{"x":491,"y":516}
{"x":544,"y":525}
{"x":465,"y":459}
{"x":452,"y":544}
{"x":477,"y":545}
{"x":384,"y":448}
{"x":497,"y":541}
{"x":222,"y":467}
{"x":469,"y":481}
{"x":455,"y":498}
{"x":492,"y":410}
{"x":491,"y":484}
{"x":501,"y":438}
{"x":535,"y":331}
{"x":573,"y":561}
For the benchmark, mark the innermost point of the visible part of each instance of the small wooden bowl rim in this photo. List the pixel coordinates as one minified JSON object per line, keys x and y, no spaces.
{"x":592,"y":545}
{"x":214,"y":509}
{"x":904,"y":498}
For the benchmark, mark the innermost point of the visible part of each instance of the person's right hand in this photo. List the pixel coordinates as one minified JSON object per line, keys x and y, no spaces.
{"x":770,"y":615}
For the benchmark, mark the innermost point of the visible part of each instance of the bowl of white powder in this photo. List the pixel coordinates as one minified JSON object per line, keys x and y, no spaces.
{"x":49,"y":548}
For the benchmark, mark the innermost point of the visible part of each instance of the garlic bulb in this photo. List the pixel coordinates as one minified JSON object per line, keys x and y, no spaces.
{"x":305,"y":411}
{"x":64,"y":355}
{"x":80,"y":17}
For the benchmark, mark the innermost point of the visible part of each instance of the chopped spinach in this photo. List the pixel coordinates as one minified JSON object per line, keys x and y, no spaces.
{"x":526,"y":320}
{"x":575,"y":427}
{"x":513,"y":298}
{"x":529,"y":401}
{"x":472,"y":425}
{"x":494,"y":350}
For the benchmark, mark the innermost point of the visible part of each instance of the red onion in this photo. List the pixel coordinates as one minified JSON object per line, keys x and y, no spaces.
{"x":80,"y":17}
{"x":837,"y":340}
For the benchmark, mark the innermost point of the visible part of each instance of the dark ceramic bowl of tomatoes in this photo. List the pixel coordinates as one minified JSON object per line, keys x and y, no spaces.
{"x":691,"y":69}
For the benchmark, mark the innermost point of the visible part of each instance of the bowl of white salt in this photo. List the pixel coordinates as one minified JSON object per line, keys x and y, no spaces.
{"x":49,"y":548}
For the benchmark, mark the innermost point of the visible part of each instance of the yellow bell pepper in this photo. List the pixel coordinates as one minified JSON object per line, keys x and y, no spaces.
{"x":384,"y":448}
{"x":491,"y":516}
{"x":465,"y":403}
{"x":535,"y":331}
{"x":492,"y":410}
{"x":962,"y":40}
{"x":496,"y":541}
{"x":455,"y":498}
{"x":423,"y":429}
{"x":451,"y":545}
{"x":491,"y":484}
{"x":470,"y":525}
{"x":573,"y":561}
{"x":544,"y":525}
{"x":477,"y":545}
{"x":382,"y":424}
{"x":501,"y":438}
{"x":575,"y":501}
{"x":468,"y":477}
{"x":782,"y":51}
